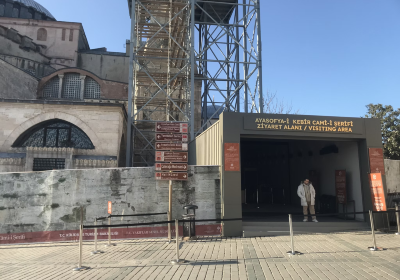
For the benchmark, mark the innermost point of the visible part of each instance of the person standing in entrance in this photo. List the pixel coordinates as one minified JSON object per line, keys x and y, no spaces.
{"x":306,"y":192}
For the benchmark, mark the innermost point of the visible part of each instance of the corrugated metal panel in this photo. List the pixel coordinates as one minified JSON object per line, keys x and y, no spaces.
{"x":208,"y":146}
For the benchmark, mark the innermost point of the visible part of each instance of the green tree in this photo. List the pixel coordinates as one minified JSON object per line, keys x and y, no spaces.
{"x":390,"y":126}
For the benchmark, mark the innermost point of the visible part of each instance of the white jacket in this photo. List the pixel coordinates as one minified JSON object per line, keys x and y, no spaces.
{"x":302,"y":194}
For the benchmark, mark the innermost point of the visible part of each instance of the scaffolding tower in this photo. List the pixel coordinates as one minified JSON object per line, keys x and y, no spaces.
{"x":190,"y":60}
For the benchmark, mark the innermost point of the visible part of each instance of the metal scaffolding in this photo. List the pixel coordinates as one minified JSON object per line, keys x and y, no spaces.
{"x":187,"y":56}
{"x":229,"y":57}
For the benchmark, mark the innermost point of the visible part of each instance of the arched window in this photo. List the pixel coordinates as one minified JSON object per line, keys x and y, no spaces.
{"x":51,"y":88}
{"x":54,"y":133}
{"x":15,"y":13}
{"x":92,"y":89}
{"x":71,"y":86}
{"x":42,"y":34}
{"x":2,"y":8}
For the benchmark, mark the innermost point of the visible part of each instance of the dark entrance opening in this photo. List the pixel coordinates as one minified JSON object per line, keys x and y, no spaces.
{"x":272,"y":170}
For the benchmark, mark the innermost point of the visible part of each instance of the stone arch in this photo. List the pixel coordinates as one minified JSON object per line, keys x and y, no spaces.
{"x":50,"y":116}
{"x":42,"y":34}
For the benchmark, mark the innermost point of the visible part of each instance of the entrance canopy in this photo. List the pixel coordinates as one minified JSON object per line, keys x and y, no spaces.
{"x":320,"y":143}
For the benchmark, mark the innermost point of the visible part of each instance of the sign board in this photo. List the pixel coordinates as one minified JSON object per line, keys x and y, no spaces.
{"x":172,"y":156}
{"x":172,"y":176}
{"x":340,"y":186}
{"x":171,"y":167}
{"x":232,"y":156}
{"x":109,"y":207}
{"x":304,"y":124}
{"x":171,"y":127}
{"x":171,"y":146}
{"x":169,"y":137}
{"x":376,"y":162}
{"x":377,"y":193}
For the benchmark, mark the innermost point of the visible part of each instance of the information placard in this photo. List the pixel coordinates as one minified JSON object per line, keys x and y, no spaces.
{"x":376,"y":162}
{"x":377,"y":192}
{"x":340,"y":186}
{"x":109,"y":207}
{"x":232,"y":156}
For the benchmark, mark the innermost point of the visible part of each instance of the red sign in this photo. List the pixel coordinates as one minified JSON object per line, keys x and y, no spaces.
{"x":340,"y":186}
{"x":168,"y":137}
{"x":377,"y":193}
{"x":232,"y":157}
{"x":109,"y":208}
{"x":171,"y":167}
{"x":171,"y":176}
{"x":172,"y":156}
{"x":171,"y":127}
{"x":376,"y":162}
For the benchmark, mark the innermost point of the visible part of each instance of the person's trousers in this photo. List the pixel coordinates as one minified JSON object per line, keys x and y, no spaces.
{"x":312,"y":210}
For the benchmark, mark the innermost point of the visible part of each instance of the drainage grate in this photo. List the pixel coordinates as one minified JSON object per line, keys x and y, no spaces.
{"x":43,"y":164}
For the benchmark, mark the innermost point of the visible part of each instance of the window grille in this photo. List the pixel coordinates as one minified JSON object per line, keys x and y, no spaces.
{"x":43,"y":164}
{"x":55,"y":133}
{"x":71,"y":86}
{"x":50,"y":90}
{"x":15,"y":13}
{"x":92,"y":89}
{"x":2,"y":8}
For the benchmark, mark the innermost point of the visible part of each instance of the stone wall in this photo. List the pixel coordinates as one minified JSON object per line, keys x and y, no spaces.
{"x":392,"y":171}
{"x":107,"y":67}
{"x":15,"y":83}
{"x":51,"y":200}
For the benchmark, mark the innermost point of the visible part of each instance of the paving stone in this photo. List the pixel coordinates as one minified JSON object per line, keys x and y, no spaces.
{"x":326,"y":256}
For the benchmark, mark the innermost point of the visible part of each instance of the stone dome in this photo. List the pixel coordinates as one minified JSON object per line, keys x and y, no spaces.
{"x":28,"y":9}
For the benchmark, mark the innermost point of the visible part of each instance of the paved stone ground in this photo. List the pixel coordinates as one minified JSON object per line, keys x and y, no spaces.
{"x":326,"y":256}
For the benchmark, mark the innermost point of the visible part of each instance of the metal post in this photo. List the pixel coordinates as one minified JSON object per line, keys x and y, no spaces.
{"x":169,"y":227}
{"x":169,"y":209}
{"x":80,"y":267}
{"x":177,"y":260}
{"x":292,"y":252}
{"x":398,"y":219}
{"x":371,"y":217}
{"x":109,"y":234}
{"x":245,"y":66}
{"x":95,"y":240}
{"x":131,"y":87}
{"x":259,"y":61}
{"x":192,"y":65}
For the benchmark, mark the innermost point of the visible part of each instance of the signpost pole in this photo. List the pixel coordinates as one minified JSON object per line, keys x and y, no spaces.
{"x":109,"y":210}
{"x":169,"y":209}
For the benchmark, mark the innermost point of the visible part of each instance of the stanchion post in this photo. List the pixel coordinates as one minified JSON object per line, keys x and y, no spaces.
{"x":398,"y":219}
{"x":80,"y":267}
{"x":109,"y":234}
{"x":374,"y":248}
{"x":169,"y":226}
{"x":292,"y":252}
{"x":177,"y":260}
{"x":95,"y":239}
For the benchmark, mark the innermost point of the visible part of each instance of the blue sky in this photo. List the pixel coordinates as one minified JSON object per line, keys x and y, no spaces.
{"x":326,"y":57}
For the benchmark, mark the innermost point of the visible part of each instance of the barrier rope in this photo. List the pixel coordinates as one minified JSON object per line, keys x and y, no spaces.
{"x":158,"y":223}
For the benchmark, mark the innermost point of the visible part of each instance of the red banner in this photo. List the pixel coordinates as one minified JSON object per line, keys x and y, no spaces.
{"x":102,"y":234}
{"x":377,"y":192}
{"x":340,"y":186}
{"x":232,"y":157}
